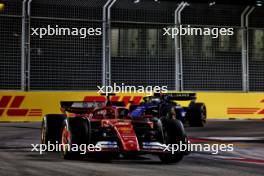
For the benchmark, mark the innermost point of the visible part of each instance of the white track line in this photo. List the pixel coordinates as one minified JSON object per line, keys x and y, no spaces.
{"x":234,"y":138}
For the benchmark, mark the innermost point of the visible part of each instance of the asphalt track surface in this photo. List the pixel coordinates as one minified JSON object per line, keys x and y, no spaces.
{"x":247,"y":159}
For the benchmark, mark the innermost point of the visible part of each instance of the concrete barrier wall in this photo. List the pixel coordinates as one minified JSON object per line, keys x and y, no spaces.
{"x":31,"y":106}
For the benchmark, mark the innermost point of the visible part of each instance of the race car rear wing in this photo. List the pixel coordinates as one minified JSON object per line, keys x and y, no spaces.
{"x":180,"y":96}
{"x":79,"y":106}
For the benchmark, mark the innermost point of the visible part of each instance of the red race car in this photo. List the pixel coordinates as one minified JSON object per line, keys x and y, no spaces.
{"x":108,"y":128}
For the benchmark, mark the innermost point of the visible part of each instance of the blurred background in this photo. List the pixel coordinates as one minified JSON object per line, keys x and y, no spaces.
{"x":132,"y":48}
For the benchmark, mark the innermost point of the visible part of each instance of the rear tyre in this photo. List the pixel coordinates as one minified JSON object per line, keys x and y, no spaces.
{"x":197,"y":115}
{"x":74,"y":132}
{"x":51,"y":128}
{"x":174,"y":133}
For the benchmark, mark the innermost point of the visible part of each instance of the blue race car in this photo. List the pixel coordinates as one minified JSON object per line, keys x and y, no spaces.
{"x":163,"y":105}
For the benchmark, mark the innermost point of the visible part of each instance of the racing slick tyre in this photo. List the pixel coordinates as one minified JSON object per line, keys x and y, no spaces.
{"x":51,"y":127}
{"x":173,"y":133}
{"x":197,"y":115}
{"x":74,"y":132}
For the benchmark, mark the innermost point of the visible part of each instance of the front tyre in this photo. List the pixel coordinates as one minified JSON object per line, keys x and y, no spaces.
{"x":174,"y":133}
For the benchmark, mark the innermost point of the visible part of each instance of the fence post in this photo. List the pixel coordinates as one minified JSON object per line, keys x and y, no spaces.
{"x":23,"y":47}
{"x":28,"y":45}
{"x":178,"y":48}
{"x":245,"y":48}
{"x":106,"y":78}
{"x":104,"y":33}
{"x":109,"y":37}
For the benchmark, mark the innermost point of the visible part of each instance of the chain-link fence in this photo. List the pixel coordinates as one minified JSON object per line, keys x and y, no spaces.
{"x":212,"y":63}
{"x":139,"y":52}
{"x":141,"y":55}
{"x":256,"y":51}
{"x":10,"y":45}
{"x":66,"y":62}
